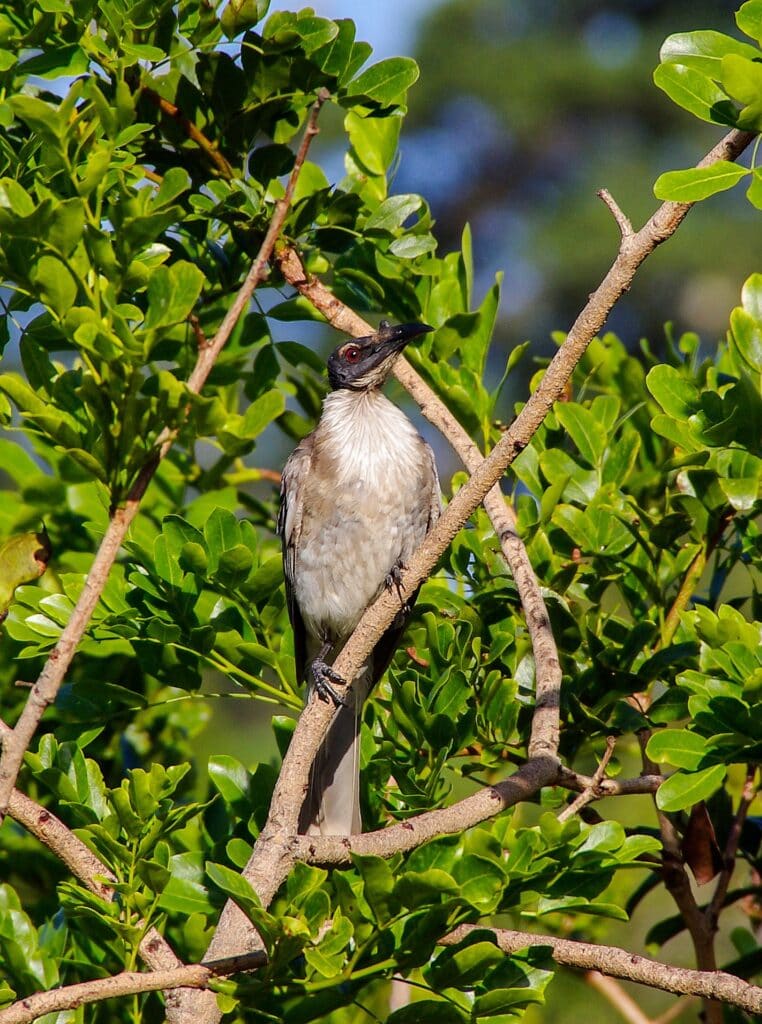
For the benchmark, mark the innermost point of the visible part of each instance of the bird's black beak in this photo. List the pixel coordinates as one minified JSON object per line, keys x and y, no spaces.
{"x":393,"y":338}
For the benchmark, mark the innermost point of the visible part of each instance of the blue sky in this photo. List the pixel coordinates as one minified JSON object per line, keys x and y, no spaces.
{"x":388,"y":25}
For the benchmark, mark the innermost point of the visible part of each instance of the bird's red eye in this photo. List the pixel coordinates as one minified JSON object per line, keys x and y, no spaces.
{"x":352,"y":354}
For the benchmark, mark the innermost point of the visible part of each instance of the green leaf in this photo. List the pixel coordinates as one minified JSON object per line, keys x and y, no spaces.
{"x":230,"y":778}
{"x":696,"y":93}
{"x":580,"y":905}
{"x":582,"y":427}
{"x":176,"y":180}
{"x":682,"y":790}
{"x":677,"y":396}
{"x":239,"y":15}
{"x":185,"y":893}
{"x":172,"y":294}
{"x":373,"y":142}
{"x":378,"y":886}
{"x":41,"y":117}
{"x":409,"y":247}
{"x":679,"y":747}
{"x":742,"y":78}
{"x":749,"y":19}
{"x":464,"y":965}
{"x":221,"y":532}
{"x":696,"y":183}
{"x":746,"y":332}
{"x":234,"y":565}
{"x":393,"y":212}
{"x":417,"y":887}
{"x":56,"y":62}
{"x":386,"y":82}
{"x":262,"y":412}
{"x":429,"y":1011}
{"x":703,"y":51}
{"x":55,"y":284}
{"x":334,"y":57}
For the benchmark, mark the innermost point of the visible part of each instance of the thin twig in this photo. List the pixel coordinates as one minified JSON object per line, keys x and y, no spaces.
{"x":623,"y":221}
{"x":593,"y":791}
{"x":191,"y":130}
{"x":44,"y":691}
{"x":617,"y":997}
{"x":677,"y":1009}
{"x":690,"y":582}
{"x":717,"y":902}
{"x":608,"y":787}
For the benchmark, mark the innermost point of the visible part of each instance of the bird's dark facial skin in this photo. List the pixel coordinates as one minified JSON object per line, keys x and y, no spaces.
{"x":365,"y":363}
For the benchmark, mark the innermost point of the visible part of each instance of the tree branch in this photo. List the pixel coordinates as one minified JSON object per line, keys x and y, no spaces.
{"x":620,"y":963}
{"x":678,"y":885}
{"x":44,"y":691}
{"x":623,"y":221}
{"x":593,"y":791}
{"x":407,"y":835}
{"x":608,"y":787}
{"x":187,"y":976}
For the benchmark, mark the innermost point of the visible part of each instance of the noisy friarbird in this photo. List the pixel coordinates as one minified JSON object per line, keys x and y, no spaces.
{"x":358,"y":495}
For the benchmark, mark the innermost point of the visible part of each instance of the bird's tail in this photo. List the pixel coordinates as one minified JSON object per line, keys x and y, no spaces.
{"x":332,"y":806}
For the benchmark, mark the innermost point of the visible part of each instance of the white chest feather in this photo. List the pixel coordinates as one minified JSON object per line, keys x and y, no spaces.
{"x":367,"y":505}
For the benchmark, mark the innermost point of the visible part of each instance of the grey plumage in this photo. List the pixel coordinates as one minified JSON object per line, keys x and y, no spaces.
{"x":358,"y":495}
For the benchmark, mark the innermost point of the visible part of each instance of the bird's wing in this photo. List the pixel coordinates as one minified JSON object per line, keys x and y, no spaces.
{"x":435,"y":505}
{"x":292,"y":488}
{"x":387,"y":644}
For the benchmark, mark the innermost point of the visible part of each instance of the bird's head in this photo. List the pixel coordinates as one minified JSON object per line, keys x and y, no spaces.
{"x":363,"y":364}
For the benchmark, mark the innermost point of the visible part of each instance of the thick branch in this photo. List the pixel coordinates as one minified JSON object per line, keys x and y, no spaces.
{"x":190,"y":976}
{"x":407,"y":835}
{"x":480,"y":806}
{"x":620,"y":963}
{"x":678,"y":886}
{"x":44,"y":692}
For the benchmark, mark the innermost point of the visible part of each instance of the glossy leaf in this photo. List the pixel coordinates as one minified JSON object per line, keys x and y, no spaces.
{"x":698,"y":183}
{"x":682,"y":790}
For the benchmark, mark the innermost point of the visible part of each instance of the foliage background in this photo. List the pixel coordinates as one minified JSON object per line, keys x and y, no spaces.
{"x":613,"y":529}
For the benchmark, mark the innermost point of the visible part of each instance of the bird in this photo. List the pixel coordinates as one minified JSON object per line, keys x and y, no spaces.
{"x":358,"y":495}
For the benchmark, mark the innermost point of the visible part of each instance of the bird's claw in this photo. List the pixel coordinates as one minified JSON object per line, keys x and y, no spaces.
{"x":323,"y":676}
{"x":394,"y":579}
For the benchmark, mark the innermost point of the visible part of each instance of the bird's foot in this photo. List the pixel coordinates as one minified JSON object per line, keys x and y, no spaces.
{"x":323,"y":678}
{"x":394,"y":579}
